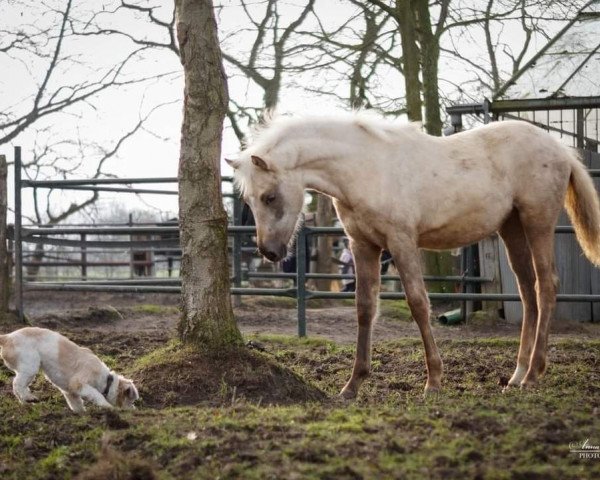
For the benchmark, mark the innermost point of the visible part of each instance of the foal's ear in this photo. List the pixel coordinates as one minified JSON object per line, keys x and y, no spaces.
{"x":235,"y":164}
{"x":259,"y":162}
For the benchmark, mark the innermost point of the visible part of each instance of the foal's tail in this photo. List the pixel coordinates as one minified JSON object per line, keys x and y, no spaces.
{"x":583,"y":208}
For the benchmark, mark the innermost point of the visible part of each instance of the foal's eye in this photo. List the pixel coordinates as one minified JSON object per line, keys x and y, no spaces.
{"x":269,"y":199}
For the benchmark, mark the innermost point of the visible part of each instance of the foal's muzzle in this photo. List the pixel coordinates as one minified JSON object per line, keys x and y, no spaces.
{"x":274,"y":254}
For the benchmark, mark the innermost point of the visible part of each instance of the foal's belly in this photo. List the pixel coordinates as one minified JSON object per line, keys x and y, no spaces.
{"x":459,"y":232}
{"x":448,"y":240}
{"x":445,"y":229}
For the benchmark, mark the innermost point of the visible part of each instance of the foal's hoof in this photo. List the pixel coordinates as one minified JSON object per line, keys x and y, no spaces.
{"x":347,"y":394}
{"x":509,"y":387}
{"x":432,"y":391}
{"x":528,"y":384}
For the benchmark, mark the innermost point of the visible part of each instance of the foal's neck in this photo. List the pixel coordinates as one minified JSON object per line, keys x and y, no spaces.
{"x":327,"y":172}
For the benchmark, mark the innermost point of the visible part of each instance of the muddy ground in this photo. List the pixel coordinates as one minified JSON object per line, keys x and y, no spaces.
{"x":273,"y":412}
{"x":333,"y":321}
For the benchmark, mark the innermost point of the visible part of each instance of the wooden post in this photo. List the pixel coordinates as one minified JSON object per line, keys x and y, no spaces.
{"x":324,"y":218}
{"x":489,"y":267}
{"x":4,"y":278}
{"x":18,"y":241}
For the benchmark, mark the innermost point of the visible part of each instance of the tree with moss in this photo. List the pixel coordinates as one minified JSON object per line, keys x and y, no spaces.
{"x":207,"y":317}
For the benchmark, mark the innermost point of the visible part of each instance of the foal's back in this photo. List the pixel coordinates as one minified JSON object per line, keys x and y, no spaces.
{"x":452,"y":191}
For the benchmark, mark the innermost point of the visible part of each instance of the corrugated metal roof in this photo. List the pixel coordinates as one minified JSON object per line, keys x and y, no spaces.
{"x":569,"y":66}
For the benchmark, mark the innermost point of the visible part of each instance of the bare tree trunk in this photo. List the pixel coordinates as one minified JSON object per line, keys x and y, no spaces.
{"x":4,"y":280}
{"x":410,"y":60}
{"x":324,"y":242}
{"x":207,"y":320}
{"x":430,"y":54}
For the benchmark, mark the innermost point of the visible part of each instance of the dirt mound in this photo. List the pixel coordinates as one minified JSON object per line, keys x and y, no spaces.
{"x":178,"y":376}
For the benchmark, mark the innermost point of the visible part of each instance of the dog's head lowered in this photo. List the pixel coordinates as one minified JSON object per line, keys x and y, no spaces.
{"x":123,"y":394}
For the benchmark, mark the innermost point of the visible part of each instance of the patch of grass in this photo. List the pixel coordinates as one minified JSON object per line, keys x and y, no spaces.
{"x":269,"y":302}
{"x":328,"y":302}
{"x":286,"y":340}
{"x":158,"y":355}
{"x":54,"y":462}
{"x":288,"y":302}
{"x":5,"y":374}
{"x":484,"y":318}
{"x":395,"y":309}
{"x":152,"y":309}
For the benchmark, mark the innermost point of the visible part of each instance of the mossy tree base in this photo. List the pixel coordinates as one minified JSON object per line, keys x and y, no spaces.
{"x":180,"y":375}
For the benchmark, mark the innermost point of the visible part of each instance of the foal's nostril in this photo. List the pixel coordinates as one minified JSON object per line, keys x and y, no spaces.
{"x":274,"y":253}
{"x":271,"y":255}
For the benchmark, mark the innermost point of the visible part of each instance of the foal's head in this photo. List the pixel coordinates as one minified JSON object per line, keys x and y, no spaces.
{"x":276,"y":197}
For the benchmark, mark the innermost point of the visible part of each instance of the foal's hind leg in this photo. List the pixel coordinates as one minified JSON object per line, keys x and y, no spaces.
{"x":519,"y":256}
{"x":541,"y":242}
{"x":407,"y":259}
{"x":366,"y":262}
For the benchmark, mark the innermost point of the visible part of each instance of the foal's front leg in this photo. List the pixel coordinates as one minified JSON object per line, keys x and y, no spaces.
{"x":366,"y":264}
{"x":408,"y":262}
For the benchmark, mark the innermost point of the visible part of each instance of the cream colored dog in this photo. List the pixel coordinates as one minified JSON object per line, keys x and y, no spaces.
{"x":75,"y":371}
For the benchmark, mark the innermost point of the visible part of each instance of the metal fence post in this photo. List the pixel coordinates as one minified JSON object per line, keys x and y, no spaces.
{"x":131,"y":257}
{"x":580,"y":128}
{"x":83,"y":257}
{"x":18,"y":240}
{"x":301,"y":280}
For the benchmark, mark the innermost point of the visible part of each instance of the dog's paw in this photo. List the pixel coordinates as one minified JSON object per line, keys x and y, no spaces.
{"x":25,"y":396}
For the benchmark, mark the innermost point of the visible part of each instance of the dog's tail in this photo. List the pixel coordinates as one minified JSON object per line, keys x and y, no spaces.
{"x":583,"y":208}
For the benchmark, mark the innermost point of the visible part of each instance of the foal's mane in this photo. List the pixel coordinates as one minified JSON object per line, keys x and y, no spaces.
{"x":268,"y":134}
{"x":277,"y":129}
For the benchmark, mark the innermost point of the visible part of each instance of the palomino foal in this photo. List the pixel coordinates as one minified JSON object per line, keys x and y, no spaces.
{"x":399,"y":189}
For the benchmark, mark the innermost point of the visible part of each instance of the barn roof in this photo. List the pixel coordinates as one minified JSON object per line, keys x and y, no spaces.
{"x":567,"y":67}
